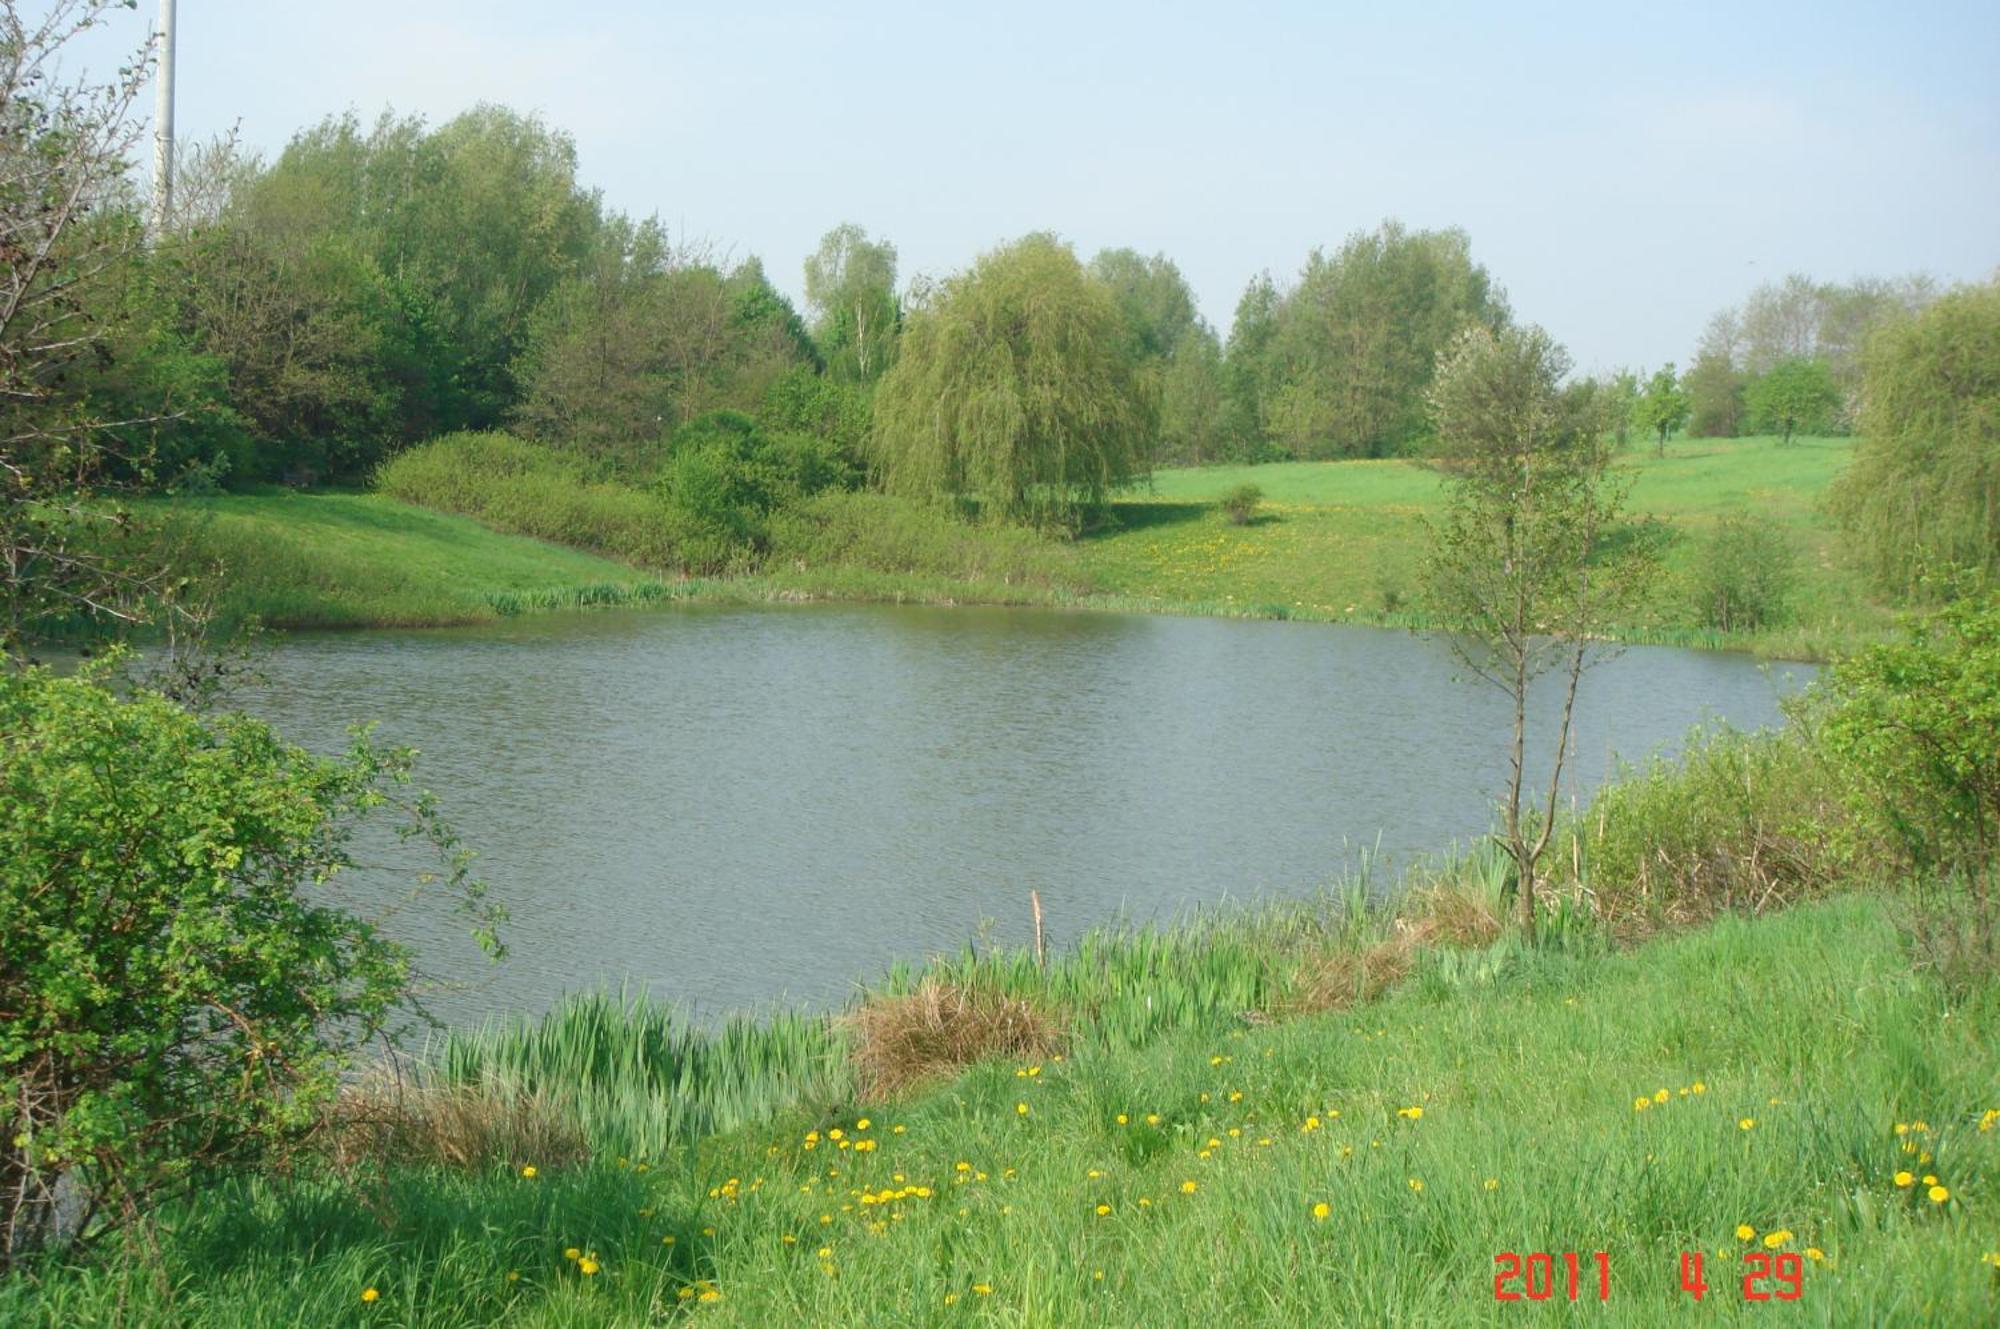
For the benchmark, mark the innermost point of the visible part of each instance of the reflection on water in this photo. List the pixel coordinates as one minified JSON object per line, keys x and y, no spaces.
{"x":736,"y":805}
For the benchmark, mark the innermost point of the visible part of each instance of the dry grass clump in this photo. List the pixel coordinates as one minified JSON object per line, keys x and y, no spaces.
{"x":1451,"y":914}
{"x":940,"y":1028}
{"x":1344,"y":976}
{"x":472,"y":1127}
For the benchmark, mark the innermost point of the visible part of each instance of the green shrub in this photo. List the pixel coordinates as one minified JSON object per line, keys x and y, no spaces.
{"x":1738,"y":821}
{"x":1744,"y":574}
{"x":1919,"y":723}
{"x":884,"y":534}
{"x":177,"y":995}
{"x":1239,"y":505}
{"x":533,"y":490}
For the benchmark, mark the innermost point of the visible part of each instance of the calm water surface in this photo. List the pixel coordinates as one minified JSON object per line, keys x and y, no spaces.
{"x":733,"y":806}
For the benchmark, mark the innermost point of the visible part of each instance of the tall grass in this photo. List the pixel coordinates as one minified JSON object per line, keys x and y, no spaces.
{"x":532,"y":490}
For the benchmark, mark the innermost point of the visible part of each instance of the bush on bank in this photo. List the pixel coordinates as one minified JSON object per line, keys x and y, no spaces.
{"x":179,"y":994}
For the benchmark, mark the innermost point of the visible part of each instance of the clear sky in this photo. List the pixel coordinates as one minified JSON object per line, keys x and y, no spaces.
{"x":1624,"y":171}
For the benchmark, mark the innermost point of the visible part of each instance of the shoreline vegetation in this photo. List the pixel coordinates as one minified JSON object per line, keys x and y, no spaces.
{"x":1718,"y":1046}
{"x":449,"y":543}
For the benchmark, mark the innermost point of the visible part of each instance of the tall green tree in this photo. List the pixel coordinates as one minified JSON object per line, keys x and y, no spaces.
{"x":1792,"y":397}
{"x":851,"y":293}
{"x":1662,"y":408}
{"x":1015,"y":385}
{"x":1246,"y":367}
{"x":1176,"y":352}
{"x":1518,"y":562}
{"x":1358,"y":339}
{"x":1923,"y":492}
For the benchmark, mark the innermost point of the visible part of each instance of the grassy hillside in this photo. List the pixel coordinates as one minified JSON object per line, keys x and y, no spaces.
{"x":1334,"y":540}
{"x":1753,"y":1088}
{"x":363,"y":560}
{"x":1344,"y":539}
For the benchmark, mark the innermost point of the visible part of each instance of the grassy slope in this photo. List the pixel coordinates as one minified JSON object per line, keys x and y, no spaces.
{"x":1808,"y":1024}
{"x":359,"y":560}
{"x":1338,"y":540}
{"x":1343,"y":539}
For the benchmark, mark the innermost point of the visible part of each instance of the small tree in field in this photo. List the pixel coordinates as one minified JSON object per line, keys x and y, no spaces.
{"x":1795,"y":396}
{"x":1015,"y":385}
{"x":1518,"y":563}
{"x":1662,"y":408}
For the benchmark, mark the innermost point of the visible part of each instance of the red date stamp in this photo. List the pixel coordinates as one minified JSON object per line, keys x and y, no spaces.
{"x":1534,"y":1277}
{"x":1540,"y":1276}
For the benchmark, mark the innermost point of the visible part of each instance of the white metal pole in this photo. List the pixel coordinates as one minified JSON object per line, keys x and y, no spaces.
{"x":163,"y":123}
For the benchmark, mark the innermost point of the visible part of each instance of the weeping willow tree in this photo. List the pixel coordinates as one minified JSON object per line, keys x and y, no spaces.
{"x":1015,"y":387}
{"x":1923,"y":493}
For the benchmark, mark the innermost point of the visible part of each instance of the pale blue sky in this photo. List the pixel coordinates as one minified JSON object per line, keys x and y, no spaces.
{"x":1623,"y":171}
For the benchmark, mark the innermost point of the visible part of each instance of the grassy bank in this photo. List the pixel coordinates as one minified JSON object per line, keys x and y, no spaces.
{"x":334,"y":560}
{"x":1790,"y":1068}
{"x":1343,"y":540}
{"x":1333,"y":541}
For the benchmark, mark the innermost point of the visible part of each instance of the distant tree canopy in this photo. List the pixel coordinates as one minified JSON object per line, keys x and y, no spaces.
{"x":623,"y":355}
{"x":1923,"y":493}
{"x":851,"y":291}
{"x":1016,"y":386}
{"x":1178,"y":356}
{"x":1342,"y":360}
{"x":1791,"y":321}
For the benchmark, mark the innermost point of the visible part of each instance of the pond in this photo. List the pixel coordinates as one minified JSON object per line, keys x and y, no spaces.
{"x":733,"y":806}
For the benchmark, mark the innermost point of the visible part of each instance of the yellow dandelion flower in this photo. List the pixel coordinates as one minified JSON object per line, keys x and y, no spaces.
{"x":835,"y":1134}
{"x":513,"y":1275}
{"x":1815,"y":1254}
{"x":1120,"y":1119}
{"x":1746,"y":1123}
{"x":1939,"y":1195}
{"x":1660,"y":1097}
{"x":1103,"y":1210}
{"x":587,"y":1266}
{"x":983,"y":1289}
{"x":710,"y":1295}
{"x":1777,"y":1238}
{"x":370,"y":1294}
{"x":1904,"y":1178}
{"x":824,"y":1252}
{"x":1152,"y":1118}
{"x":1641,"y":1103}
{"x":1187,"y":1188}
{"x":1322,"y":1210}
{"x":1929,"y":1180}
{"x":1700,"y":1088}
{"x":897,"y":1129}
{"x":863,"y":1124}
{"x":1744,"y":1232}
{"x":1416,"y":1183}
{"x":528,"y":1171}
{"x":1020,"y":1109}
{"x":1492,"y":1184}
{"x":572,"y":1253}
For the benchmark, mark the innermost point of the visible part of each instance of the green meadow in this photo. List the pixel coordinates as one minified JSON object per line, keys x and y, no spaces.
{"x":1334,"y":541}
{"x":1343,"y":540}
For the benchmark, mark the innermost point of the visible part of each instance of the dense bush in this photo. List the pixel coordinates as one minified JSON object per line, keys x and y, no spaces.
{"x":892,"y":535}
{"x":1744,"y":572}
{"x":179,"y":993}
{"x":532,"y":490}
{"x":1738,"y":821}
{"x":1918,"y":721}
{"x":1239,"y":505}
